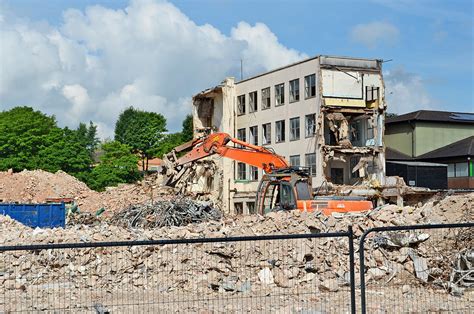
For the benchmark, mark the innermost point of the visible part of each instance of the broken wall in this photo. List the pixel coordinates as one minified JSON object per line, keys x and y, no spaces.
{"x":214,"y":109}
{"x":352,"y":119}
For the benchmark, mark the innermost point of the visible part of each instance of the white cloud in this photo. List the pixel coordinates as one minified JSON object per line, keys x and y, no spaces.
{"x":149,"y":55}
{"x":262,"y":47}
{"x":375,"y":33}
{"x":406,"y":92}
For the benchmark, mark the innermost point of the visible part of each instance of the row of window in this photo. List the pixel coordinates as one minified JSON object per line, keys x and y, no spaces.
{"x":280,"y":131}
{"x":252,"y":173}
{"x":459,"y":169}
{"x":239,"y":208}
{"x":294,"y":94}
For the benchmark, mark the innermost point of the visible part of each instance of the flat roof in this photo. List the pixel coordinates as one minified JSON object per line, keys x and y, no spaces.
{"x":307,"y":60}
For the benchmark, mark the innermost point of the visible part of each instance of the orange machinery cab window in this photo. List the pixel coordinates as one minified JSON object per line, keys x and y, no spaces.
{"x":275,"y":195}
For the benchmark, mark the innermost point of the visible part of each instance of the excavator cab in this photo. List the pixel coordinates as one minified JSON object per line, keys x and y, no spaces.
{"x":283,"y":190}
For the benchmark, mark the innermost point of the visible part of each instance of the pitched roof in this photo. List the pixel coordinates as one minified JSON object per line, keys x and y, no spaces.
{"x":393,"y":154}
{"x":430,"y":115}
{"x":460,"y":148}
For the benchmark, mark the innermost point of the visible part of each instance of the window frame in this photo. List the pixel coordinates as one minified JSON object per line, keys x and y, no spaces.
{"x":269,"y":133}
{"x":239,"y":208}
{"x":239,"y":132}
{"x":253,"y":107}
{"x":294,"y":156}
{"x":307,"y":86}
{"x":297,"y":138}
{"x":239,"y":105}
{"x":269,"y":98}
{"x":282,"y":131}
{"x":291,"y":91}
{"x":456,"y":169}
{"x":253,"y":138}
{"x":310,"y":166}
{"x":240,"y":172}
{"x":306,"y":125}
{"x":281,"y":95}
{"x":253,"y":173}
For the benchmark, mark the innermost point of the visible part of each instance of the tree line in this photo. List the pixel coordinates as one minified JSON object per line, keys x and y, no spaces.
{"x":30,"y":139}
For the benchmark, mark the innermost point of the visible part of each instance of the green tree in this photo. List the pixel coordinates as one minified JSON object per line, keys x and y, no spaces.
{"x":30,"y":139}
{"x":169,"y":142}
{"x":187,"y":132}
{"x":24,"y":133}
{"x":142,"y":131}
{"x":117,"y":165}
{"x":87,"y":136}
{"x":65,"y":150}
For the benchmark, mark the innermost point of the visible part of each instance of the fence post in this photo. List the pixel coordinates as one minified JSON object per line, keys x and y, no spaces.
{"x":352,"y":269}
{"x":362,"y":271}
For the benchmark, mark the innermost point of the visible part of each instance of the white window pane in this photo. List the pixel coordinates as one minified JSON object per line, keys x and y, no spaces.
{"x":451,"y":172}
{"x":461,"y":169}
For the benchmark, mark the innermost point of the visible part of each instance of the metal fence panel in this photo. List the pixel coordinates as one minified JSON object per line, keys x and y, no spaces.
{"x":425,"y":268}
{"x":282,"y":274}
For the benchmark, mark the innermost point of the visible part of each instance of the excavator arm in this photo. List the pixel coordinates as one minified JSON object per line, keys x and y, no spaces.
{"x":216,"y":143}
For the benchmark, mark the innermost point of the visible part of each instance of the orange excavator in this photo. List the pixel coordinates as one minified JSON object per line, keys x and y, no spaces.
{"x":282,"y":187}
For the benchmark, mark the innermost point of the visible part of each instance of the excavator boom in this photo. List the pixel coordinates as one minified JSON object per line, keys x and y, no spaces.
{"x":216,"y":143}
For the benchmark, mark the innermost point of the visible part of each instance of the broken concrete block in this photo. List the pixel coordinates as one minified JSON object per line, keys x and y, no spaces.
{"x":376,"y":273}
{"x":266,"y":276}
{"x":331,"y":285}
{"x":420,"y":265}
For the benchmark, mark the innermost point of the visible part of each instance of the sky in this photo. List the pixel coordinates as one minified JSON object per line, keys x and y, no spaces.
{"x":86,"y":60}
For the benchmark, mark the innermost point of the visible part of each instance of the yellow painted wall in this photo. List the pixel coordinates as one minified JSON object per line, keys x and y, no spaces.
{"x":430,"y":136}
{"x":398,"y":137}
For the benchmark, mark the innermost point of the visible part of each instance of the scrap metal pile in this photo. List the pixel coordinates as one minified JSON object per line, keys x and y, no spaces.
{"x":178,"y":211}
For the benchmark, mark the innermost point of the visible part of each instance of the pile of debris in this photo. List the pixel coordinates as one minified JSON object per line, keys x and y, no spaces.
{"x":178,"y":211}
{"x":37,"y":186}
{"x":412,"y":259}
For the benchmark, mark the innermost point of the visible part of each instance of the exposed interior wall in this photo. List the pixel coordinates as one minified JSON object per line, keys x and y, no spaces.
{"x":214,"y":109}
{"x":352,"y":121}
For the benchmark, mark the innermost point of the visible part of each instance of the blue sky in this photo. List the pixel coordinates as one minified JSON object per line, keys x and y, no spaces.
{"x":430,"y":43}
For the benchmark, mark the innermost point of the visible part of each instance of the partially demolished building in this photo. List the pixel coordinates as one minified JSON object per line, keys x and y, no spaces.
{"x":325,"y":113}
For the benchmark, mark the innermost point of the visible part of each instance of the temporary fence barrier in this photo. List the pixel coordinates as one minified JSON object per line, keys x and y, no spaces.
{"x":273,"y":273}
{"x":421,"y":268}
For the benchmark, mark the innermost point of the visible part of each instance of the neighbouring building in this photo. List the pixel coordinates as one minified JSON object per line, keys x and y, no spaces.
{"x":325,"y":113}
{"x":154,"y":164}
{"x":437,"y":137}
{"x":459,"y":156}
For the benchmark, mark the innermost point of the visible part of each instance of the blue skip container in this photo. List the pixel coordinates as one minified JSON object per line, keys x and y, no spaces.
{"x":36,"y":215}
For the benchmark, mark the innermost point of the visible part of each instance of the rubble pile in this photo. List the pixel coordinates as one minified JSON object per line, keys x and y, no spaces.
{"x":178,"y":211}
{"x":37,"y":185}
{"x":412,"y":259}
{"x":146,"y":211}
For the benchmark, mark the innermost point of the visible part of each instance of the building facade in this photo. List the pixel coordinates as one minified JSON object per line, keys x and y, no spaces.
{"x":438,"y":137}
{"x":324,"y":113}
